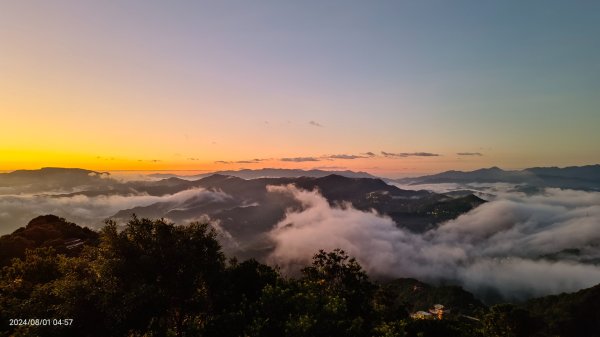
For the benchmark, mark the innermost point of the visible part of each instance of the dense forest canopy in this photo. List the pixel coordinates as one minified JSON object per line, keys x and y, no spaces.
{"x":155,"y":278}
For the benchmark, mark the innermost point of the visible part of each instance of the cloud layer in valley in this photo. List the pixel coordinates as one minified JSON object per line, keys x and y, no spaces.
{"x":517,"y":245}
{"x":514,"y":247}
{"x":17,"y":210}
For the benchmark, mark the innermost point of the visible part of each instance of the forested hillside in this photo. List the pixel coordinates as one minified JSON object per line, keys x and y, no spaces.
{"x":154,"y":278}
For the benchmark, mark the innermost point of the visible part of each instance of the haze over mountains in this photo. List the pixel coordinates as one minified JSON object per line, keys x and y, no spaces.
{"x":486,"y":230}
{"x":574,"y":177}
{"x":230,"y":199}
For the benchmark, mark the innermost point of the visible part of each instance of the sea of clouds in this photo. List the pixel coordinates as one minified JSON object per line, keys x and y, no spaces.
{"x":514,"y":246}
{"x":511,"y":247}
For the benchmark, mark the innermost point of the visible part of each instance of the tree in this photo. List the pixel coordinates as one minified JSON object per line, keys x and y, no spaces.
{"x":150,"y":278}
{"x":240,"y":290}
{"x":508,"y":320}
{"x":332,"y":298}
{"x":162,"y":277}
{"x":24,"y":283}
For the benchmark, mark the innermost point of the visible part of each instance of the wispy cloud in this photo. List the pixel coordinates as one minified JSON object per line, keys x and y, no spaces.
{"x":299,"y":159}
{"x":469,"y":154}
{"x":247,"y":161}
{"x":343,"y":156}
{"x":250,"y":161}
{"x":409,"y":154}
{"x":313,"y":123}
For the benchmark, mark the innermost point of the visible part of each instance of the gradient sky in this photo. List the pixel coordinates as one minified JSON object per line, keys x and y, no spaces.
{"x":198,"y":85}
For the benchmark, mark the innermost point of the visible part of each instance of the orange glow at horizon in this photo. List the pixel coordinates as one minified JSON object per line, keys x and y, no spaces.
{"x":377,"y":165}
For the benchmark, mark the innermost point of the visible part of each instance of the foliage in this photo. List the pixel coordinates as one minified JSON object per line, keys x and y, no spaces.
{"x":576,"y":314}
{"x":150,"y":277}
{"x":332,"y":298}
{"x":153,"y":278}
{"x":508,"y":320}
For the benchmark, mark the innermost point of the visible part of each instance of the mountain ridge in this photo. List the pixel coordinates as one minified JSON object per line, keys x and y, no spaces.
{"x":272,"y":173}
{"x":575,"y":177}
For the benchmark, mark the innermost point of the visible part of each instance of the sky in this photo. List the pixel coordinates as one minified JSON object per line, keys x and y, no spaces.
{"x":388,"y":87}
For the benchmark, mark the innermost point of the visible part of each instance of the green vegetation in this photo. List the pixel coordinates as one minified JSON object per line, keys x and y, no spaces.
{"x":153,"y":278}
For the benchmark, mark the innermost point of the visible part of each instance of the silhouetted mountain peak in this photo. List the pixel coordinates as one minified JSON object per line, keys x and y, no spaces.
{"x":46,"y":231}
{"x":491,"y":169}
{"x":44,"y":220}
{"x":45,"y":171}
{"x":49,"y":178}
{"x":335,"y":177}
{"x":219,"y":180}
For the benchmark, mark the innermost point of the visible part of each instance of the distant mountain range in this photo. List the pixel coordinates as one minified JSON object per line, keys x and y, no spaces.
{"x":574,"y":177}
{"x":252,"y":209}
{"x":271,"y":173}
{"x":50,"y":178}
{"x":244,"y":207}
